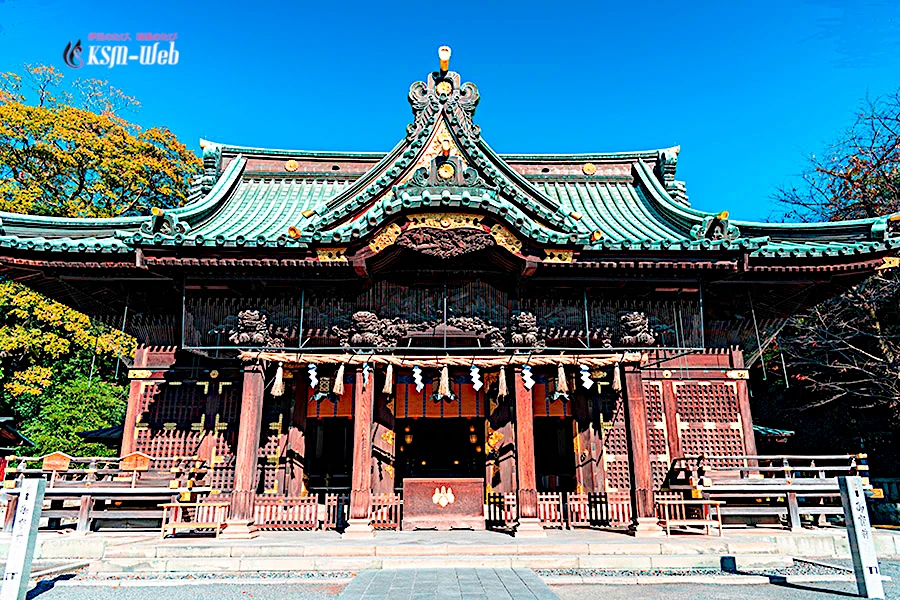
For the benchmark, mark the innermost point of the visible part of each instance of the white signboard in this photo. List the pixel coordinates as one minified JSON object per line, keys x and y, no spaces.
{"x":21,"y":546}
{"x":862,"y":541}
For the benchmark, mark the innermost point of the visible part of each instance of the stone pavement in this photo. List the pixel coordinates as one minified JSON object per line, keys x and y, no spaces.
{"x":464,"y":584}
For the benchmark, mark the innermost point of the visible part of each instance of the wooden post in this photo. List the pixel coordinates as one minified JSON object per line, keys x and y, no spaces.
{"x":500,"y":464}
{"x":743,"y":398}
{"x":84,"y":514}
{"x":643,"y":518}
{"x":361,"y":490}
{"x":240,"y":521}
{"x":585,"y":443}
{"x":383,"y":440}
{"x":145,"y":358}
{"x":529,"y":524}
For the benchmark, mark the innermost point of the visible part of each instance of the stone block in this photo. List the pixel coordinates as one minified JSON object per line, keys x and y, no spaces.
{"x":412,"y":550}
{"x":806,"y":545}
{"x":241,"y":551}
{"x":753,"y":547}
{"x":689,"y":561}
{"x":545,"y":562}
{"x":482,"y":549}
{"x":70,"y":547}
{"x":272,"y":563}
{"x":347,"y":563}
{"x":439,"y":562}
{"x":550,"y":549}
{"x":127,"y":565}
{"x":614,"y":562}
{"x":698,"y":547}
{"x":637,"y":548}
{"x":166,"y":551}
{"x":201,"y":565}
{"x":130,"y":552}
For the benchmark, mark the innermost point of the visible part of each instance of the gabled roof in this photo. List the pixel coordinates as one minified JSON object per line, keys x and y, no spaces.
{"x":256,"y":198}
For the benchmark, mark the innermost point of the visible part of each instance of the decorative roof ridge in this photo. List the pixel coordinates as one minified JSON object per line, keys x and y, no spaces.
{"x":590,"y":156}
{"x":280,"y":152}
{"x":220,"y":191}
{"x":846,"y":232}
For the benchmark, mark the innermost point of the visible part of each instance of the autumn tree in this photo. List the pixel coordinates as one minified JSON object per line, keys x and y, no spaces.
{"x":66,"y":151}
{"x":843,"y":356}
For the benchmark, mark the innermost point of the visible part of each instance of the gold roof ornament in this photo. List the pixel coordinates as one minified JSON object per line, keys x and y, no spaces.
{"x":291,"y":165}
{"x":588,"y":168}
{"x":444,"y":57}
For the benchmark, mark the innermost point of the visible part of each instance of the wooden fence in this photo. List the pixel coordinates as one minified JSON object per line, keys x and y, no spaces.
{"x":385,"y":511}
{"x":286,"y":513}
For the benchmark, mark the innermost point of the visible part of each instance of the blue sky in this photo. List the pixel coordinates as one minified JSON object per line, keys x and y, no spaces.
{"x":748,"y":89}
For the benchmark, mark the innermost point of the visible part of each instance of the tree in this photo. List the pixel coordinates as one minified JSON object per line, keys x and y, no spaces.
{"x":843,"y":356}
{"x":66,"y":152}
{"x":79,"y":404}
{"x":69,"y":154}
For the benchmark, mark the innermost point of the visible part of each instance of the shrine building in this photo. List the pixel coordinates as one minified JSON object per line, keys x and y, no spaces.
{"x":440,"y":324}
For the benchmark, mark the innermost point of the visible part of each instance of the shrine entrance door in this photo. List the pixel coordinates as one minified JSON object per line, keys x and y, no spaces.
{"x":442,"y":447}
{"x":554,"y":454}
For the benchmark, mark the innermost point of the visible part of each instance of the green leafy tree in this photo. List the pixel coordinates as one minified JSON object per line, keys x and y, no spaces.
{"x":67,"y":407}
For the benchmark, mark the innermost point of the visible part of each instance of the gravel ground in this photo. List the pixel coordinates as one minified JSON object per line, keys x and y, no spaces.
{"x":781,"y":591}
{"x":223,"y":591}
{"x":799,"y":568}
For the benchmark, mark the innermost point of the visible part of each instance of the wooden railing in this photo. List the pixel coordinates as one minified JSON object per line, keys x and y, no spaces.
{"x":586,"y":509}
{"x":619,"y":508}
{"x":502,"y":510}
{"x":385,"y":511}
{"x":286,"y":513}
{"x":337,"y":510}
{"x":550,"y":510}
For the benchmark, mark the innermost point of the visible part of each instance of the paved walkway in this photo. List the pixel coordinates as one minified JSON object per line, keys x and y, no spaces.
{"x":465,"y":584}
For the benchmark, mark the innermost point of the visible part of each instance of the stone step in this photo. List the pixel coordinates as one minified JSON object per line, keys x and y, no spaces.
{"x":358,"y":563}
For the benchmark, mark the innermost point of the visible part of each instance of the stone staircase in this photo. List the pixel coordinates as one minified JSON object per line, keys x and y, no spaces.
{"x":300,"y":551}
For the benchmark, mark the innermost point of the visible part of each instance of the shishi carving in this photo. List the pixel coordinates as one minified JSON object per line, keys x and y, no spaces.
{"x":634,"y":330}
{"x":368,"y":330}
{"x":524,"y":331}
{"x":254,"y":329}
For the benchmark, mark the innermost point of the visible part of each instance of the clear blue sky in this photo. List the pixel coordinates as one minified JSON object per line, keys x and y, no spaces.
{"x":747,"y":88}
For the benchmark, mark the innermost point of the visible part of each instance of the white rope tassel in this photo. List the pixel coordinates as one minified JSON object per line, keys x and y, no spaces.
{"x":502,"y":390}
{"x":388,"y":380}
{"x":444,"y":387}
{"x":278,"y":385}
{"x":617,"y":378}
{"x":562,"y":386}
{"x":338,"y":388}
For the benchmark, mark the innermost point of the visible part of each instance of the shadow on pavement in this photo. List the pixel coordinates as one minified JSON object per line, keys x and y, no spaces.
{"x":46,"y":585}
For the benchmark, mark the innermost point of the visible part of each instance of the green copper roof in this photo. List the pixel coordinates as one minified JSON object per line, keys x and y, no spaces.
{"x":636,"y":207}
